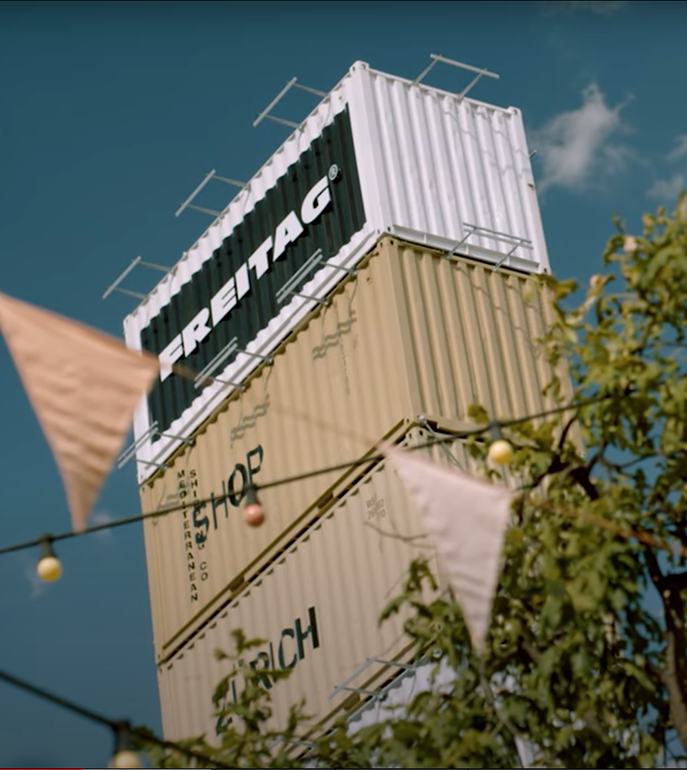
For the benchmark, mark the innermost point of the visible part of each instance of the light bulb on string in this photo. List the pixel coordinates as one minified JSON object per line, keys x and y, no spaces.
{"x":500,"y":450}
{"x":124,"y":754}
{"x":49,"y":567}
{"x":253,"y":513}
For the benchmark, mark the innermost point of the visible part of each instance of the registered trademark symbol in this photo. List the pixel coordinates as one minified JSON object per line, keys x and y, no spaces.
{"x":333,"y":172}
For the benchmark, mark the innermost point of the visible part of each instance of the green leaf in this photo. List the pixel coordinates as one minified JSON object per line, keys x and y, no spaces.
{"x":640,"y":676}
{"x":478,"y":414}
{"x":572,"y":636}
{"x":393,"y":607}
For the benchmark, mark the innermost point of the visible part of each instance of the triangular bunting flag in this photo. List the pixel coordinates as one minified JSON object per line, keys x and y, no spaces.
{"x":467,"y":519}
{"x":83,"y":386}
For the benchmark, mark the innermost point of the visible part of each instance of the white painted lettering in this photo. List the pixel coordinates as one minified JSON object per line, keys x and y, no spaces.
{"x":196,"y":331}
{"x":242,"y":282}
{"x":316,"y":201}
{"x":258,"y":259}
{"x":287,"y":232}
{"x":223,"y":301}
{"x":170,"y":355}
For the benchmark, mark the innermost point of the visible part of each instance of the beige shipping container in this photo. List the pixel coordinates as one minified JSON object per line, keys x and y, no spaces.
{"x":317,"y":608}
{"x":414,"y":333}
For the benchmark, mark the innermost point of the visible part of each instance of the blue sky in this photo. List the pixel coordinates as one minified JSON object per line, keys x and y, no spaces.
{"x":110,"y":114}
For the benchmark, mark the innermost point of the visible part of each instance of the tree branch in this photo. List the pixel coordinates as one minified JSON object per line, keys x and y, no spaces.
{"x":555,"y":466}
{"x":673,"y":673}
{"x":654,"y":570}
{"x":566,"y":429}
{"x":677,"y":580}
{"x":581,"y":476}
{"x":532,"y":651}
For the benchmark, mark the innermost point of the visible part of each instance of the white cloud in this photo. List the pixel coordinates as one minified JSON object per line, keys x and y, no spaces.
{"x":667,"y":190}
{"x":681,"y":150}
{"x":578,"y":147}
{"x":601,"y":8}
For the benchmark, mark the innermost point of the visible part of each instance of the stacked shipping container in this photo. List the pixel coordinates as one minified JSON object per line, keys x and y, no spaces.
{"x":390,"y":301}
{"x":414,"y":334}
{"x":379,"y":155}
{"x":316,"y":605}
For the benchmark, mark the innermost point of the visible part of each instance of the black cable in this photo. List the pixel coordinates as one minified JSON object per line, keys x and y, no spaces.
{"x":446,"y":440}
{"x":301,"y":476}
{"x":144,"y":736}
{"x":27,"y":687}
{"x":95,"y":717}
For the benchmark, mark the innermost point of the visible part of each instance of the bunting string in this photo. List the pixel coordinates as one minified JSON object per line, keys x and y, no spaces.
{"x":114,"y":725}
{"x":84,"y":386}
{"x":625,"y":532}
{"x":348,"y":465}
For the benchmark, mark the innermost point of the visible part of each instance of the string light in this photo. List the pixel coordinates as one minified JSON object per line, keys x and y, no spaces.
{"x":304,"y":476}
{"x":253,"y":513}
{"x":500,"y":451}
{"x":49,"y":567}
{"x":124,"y":754}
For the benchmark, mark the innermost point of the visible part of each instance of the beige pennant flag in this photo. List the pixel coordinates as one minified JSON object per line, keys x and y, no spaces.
{"x":84,"y":386}
{"x":467,"y":518}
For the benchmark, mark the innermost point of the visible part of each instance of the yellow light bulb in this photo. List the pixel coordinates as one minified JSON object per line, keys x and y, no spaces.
{"x":501,"y":452}
{"x":125,"y":758}
{"x":49,"y":569}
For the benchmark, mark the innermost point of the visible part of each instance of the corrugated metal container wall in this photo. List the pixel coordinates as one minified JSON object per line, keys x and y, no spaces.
{"x":444,"y":165}
{"x":469,"y":334}
{"x":260,"y":240}
{"x":413,"y":334}
{"x":394,"y":156}
{"x":318,"y":405}
{"x":317,"y":608}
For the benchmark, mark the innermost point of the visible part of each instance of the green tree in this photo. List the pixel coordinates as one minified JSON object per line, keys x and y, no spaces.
{"x":580,"y":670}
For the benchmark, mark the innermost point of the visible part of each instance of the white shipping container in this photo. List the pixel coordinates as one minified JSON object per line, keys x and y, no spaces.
{"x":425,"y":165}
{"x":317,"y":608}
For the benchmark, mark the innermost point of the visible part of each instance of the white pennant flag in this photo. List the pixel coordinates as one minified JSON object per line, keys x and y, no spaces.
{"x":83,"y":385}
{"x":467,"y":519}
